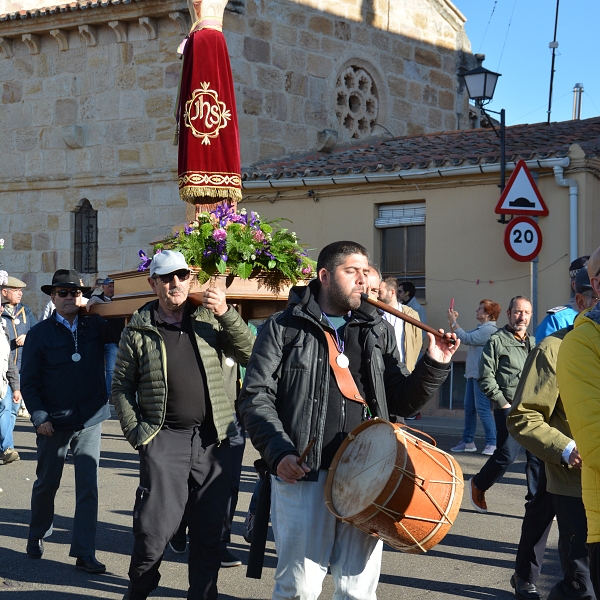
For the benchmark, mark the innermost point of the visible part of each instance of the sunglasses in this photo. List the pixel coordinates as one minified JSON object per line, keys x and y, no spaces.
{"x":181,"y":275}
{"x":65,"y":293}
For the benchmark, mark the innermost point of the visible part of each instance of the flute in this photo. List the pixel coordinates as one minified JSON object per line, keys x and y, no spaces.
{"x":446,"y":337}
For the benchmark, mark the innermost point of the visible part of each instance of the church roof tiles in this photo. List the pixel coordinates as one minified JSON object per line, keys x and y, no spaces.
{"x":446,"y":148}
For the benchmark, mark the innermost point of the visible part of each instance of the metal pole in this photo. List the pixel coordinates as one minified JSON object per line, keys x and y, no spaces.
{"x":451,"y":384}
{"x":554,"y":46}
{"x":502,"y":156}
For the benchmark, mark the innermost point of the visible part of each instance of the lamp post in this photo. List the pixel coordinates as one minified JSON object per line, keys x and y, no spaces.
{"x":481,"y":84}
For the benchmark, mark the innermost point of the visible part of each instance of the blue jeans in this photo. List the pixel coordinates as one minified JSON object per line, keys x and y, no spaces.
{"x":507,"y":450}
{"x":476,"y":403}
{"x":51,"y":453}
{"x":110,"y":357}
{"x":8,"y":418}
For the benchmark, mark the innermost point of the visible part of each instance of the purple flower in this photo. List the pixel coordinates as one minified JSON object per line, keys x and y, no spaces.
{"x":306,"y":271}
{"x":188,"y":230}
{"x":219,"y":234}
{"x":145,"y":264}
{"x":224,"y":257}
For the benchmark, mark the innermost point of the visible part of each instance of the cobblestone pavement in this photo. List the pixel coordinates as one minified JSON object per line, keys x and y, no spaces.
{"x":475,"y":560}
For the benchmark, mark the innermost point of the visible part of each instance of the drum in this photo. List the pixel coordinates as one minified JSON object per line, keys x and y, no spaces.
{"x":389,"y":483}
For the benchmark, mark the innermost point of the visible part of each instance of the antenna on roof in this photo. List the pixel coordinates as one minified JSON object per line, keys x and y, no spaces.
{"x":554,"y":45}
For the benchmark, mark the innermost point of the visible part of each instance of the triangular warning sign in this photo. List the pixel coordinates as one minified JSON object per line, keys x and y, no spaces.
{"x":521,"y":196}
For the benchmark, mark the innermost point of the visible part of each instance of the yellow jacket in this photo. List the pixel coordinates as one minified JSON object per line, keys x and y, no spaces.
{"x":578,"y":372}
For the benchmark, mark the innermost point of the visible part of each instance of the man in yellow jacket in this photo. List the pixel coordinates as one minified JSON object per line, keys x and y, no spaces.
{"x":578,"y":372}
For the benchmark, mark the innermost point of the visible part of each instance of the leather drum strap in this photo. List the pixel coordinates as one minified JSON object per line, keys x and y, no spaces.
{"x":343,"y":377}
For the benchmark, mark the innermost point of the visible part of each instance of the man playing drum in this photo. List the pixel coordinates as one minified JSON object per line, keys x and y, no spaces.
{"x":291,"y":396}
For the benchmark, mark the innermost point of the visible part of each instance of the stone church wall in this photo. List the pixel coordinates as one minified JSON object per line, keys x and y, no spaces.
{"x":87,"y":100}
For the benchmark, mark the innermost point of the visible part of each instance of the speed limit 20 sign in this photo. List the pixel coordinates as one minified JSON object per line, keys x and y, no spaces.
{"x":523,"y":239}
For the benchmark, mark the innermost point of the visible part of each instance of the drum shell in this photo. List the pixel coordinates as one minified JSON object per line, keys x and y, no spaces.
{"x":419,"y":503}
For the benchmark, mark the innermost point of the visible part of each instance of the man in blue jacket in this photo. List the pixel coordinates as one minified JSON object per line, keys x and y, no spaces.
{"x":62,"y":382}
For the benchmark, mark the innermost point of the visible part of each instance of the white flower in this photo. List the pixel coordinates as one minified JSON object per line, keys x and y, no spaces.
{"x":253,"y":257}
{"x":243,"y":211}
{"x":1,"y":243}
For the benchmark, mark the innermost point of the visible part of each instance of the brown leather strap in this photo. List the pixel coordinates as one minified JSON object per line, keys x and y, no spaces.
{"x":342,"y":376}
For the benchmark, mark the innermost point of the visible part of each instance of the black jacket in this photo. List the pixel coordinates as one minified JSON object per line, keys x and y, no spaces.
{"x":284,"y":398}
{"x":71,"y":395}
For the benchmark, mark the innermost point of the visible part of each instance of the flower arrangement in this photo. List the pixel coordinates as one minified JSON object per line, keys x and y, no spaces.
{"x":241,"y":244}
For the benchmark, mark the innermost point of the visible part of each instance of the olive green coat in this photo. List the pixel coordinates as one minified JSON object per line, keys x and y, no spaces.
{"x":537,"y":418}
{"x":140,"y":387}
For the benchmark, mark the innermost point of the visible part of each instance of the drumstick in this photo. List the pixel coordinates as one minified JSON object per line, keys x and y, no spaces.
{"x":383,"y":306}
{"x":303,"y":456}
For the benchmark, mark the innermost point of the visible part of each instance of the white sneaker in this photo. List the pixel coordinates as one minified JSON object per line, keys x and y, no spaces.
{"x":489,"y":450}
{"x":464,"y":447}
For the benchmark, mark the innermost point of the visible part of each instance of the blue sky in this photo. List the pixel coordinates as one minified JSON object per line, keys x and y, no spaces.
{"x":524,"y":59}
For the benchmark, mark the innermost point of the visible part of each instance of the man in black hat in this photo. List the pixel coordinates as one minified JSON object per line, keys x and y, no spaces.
{"x":62,"y":381}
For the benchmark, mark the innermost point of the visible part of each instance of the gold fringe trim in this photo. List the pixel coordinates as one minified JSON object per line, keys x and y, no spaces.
{"x":191,"y":194}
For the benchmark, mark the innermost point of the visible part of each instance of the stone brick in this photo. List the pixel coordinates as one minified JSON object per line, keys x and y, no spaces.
{"x":332,"y":46}
{"x":270,"y":150}
{"x":142,"y":130}
{"x":414,"y":129}
{"x":146,"y":52}
{"x":446,"y":100}
{"x":296,"y":83}
{"x":316,"y":114}
{"x":21,"y":241}
{"x":430,"y":95}
{"x":242,"y":73}
{"x":252,"y":102}
{"x":125,"y":77}
{"x":276,"y":105}
{"x":397,"y":86}
{"x":131,"y":105}
{"x":295,"y":136}
{"x":159,"y":104}
{"x":233,"y":22}
{"x":415,"y":92}
{"x":392,"y":64}
{"x":125,"y":234}
{"x":269,"y":78}
{"x":150,"y":77}
{"x":172,"y":75}
{"x":318,"y":90}
{"x":381,"y":40}
{"x":256,"y":50}
{"x":247,"y":127}
{"x":286,"y":35}
{"x":12,"y":91}
{"x":309,"y":40}
{"x":42,"y":241}
{"x":321,"y":25}
{"x":297,"y":19}
{"x":297,"y":60}
{"x":73,"y":61}
{"x":34,"y":163}
{"x":117,"y":199}
{"x":343,"y":31}
{"x":428,"y":57}
{"x":260,"y":28}
{"x":26,"y":139}
{"x":55,"y":162}
{"x":115,"y":134}
{"x":270,"y":130}
{"x":401,"y":109}
{"x":165,"y":130}
{"x":296,"y":109}
{"x":450,"y":123}
{"x":319,"y":66}
{"x":280,"y":56}
{"x":360,"y":35}
{"x":32,"y":88}
{"x":402,"y":49}
{"x":435,"y":119}
{"x":49,"y":261}
{"x":65,"y":111}
{"x":440,"y":79}
{"x":23,"y":66}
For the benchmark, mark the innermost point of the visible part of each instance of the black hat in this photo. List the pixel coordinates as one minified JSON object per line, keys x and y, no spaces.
{"x":65,"y":278}
{"x":577,"y":264}
{"x":582,"y":282}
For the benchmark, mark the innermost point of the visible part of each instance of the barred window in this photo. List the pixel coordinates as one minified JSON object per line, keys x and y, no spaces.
{"x":403,"y":243}
{"x":86,"y":238}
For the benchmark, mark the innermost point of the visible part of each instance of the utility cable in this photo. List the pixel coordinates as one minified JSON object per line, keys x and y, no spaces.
{"x":506,"y":37}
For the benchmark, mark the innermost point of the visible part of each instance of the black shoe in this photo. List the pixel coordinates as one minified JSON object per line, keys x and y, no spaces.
{"x":35,"y":547}
{"x":229,"y":560}
{"x":89,"y":564}
{"x":131,"y":595}
{"x":524,"y":589}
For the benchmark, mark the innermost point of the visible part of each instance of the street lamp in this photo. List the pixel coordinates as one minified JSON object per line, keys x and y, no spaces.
{"x":481,"y":84}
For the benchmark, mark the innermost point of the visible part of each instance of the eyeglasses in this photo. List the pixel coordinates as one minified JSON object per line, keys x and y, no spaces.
{"x":65,"y":293}
{"x":181,"y":275}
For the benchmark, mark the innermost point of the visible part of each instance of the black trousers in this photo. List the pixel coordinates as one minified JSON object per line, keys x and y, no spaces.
{"x":176,"y":464}
{"x":237,"y":445}
{"x":539,"y":514}
{"x":572,"y":549}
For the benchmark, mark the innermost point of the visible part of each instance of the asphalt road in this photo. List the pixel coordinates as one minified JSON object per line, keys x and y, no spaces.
{"x":475,"y":560}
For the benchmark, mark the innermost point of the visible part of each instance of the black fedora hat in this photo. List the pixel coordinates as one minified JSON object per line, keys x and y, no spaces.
{"x":66,"y":278}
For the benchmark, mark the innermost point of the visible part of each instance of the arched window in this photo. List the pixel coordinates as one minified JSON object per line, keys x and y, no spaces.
{"x":86,"y":238}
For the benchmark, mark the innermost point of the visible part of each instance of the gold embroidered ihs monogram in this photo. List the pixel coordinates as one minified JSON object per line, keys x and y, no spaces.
{"x":205,"y":114}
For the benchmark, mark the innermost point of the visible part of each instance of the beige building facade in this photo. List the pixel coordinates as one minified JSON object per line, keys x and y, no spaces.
{"x":88,"y":91}
{"x":446,"y":187}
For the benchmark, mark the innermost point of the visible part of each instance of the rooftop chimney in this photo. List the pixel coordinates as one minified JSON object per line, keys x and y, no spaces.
{"x":577,"y":91}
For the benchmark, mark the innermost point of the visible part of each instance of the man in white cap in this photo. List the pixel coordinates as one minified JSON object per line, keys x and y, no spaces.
{"x":181,"y":430}
{"x":18,"y":320}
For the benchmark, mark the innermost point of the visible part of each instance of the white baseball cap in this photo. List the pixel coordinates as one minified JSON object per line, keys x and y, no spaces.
{"x":166,"y":262}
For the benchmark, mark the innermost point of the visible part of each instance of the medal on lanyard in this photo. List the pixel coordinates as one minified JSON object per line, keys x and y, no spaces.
{"x":17,"y":321}
{"x":75,"y":357}
{"x":341,"y":359}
